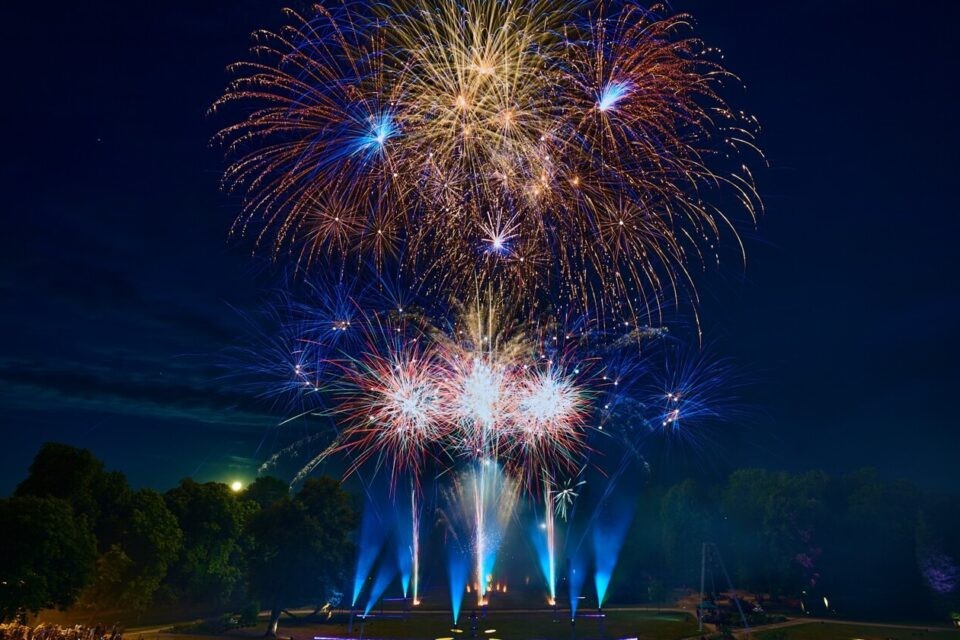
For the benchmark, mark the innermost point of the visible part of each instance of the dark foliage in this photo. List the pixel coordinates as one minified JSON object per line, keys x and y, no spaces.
{"x":47,"y":555}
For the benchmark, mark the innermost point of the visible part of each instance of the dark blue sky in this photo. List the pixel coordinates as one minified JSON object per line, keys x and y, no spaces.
{"x":119,"y":287}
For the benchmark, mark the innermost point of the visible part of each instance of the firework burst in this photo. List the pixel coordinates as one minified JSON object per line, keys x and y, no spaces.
{"x":508,"y":136}
{"x":407,"y":393}
{"x":550,"y":423}
{"x":419,"y":393}
{"x":391,"y":406}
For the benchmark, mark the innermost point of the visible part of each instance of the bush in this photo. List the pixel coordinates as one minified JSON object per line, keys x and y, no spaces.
{"x":247,"y":616}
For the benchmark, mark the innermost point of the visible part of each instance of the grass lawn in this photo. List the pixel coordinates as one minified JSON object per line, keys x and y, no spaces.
{"x":834,"y":631}
{"x":496,"y":626}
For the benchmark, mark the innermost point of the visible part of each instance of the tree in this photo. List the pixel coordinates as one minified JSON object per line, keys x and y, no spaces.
{"x":873,"y":555}
{"x":136,"y":535}
{"x":211,"y":518}
{"x":266,"y":490}
{"x":301,"y":546}
{"x":75,"y":475}
{"x":47,"y":555}
{"x":131,"y":570}
{"x":656,"y":592}
{"x":686,"y":526}
{"x":774,"y":520}
{"x":938,"y":551}
{"x":641,"y":558}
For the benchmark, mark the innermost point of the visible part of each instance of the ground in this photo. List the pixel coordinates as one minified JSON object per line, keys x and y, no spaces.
{"x":648,"y":625}
{"x":835,"y":631}
{"x":539,"y":624}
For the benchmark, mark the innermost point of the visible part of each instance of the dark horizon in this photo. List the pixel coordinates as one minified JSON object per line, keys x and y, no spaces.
{"x":121,"y":287}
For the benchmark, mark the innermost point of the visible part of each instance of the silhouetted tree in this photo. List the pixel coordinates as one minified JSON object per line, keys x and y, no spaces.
{"x":148,"y":539}
{"x":46,"y":555}
{"x":136,"y":535}
{"x":687,"y":524}
{"x":75,"y":475}
{"x":211,"y":517}
{"x":938,"y":551}
{"x":301,"y":546}
{"x":773,"y":524}
{"x":870,"y":563}
{"x":266,"y":490}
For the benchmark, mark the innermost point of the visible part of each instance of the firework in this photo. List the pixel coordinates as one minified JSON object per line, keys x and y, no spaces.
{"x":495,"y":408}
{"x":478,"y":506}
{"x":389,"y":399}
{"x":478,"y":390}
{"x":551,"y":413}
{"x":549,"y":533}
{"x":688,"y":393}
{"x":577,"y":153}
{"x":577,"y":158}
{"x":415,"y":546}
{"x":564,"y":495}
{"x":411,"y":391}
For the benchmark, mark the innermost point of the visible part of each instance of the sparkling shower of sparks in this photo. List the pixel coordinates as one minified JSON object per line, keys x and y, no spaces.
{"x":551,"y":541}
{"x":415,"y":547}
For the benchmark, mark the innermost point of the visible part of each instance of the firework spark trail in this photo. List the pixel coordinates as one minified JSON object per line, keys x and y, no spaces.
{"x":479,"y":527}
{"x":415,"y":546}
{"x":551,"y":415}
{"x":551,"y":542}
{"x":478,"y":506}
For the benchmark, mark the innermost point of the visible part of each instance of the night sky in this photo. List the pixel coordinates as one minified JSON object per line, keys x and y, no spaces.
{"x":120,"y":289}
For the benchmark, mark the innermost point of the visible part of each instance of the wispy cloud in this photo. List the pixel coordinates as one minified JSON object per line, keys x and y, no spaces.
{"x":176,"y":392}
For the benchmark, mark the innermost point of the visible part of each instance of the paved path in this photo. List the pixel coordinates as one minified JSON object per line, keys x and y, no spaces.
{"x":152,"y":631}
{"x":794,"y":622}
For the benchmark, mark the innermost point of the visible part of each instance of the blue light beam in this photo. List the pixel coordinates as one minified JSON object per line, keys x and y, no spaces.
{"x":458,"y":568}
{"x":384,"y":577}
{"x":608,"y":536}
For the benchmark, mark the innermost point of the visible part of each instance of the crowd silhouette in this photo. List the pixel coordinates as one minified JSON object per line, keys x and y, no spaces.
{"x":16,"y":631}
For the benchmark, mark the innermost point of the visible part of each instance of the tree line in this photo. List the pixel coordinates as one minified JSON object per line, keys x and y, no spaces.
{"x":872,"y":547}
{"x":75,"y":534}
